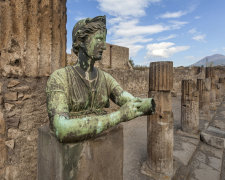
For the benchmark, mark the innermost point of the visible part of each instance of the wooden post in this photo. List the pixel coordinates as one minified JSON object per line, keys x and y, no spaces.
{"x":159,"y":163}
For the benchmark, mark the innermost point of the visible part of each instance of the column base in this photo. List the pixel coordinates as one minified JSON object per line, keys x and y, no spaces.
{"x":195,"y":134}
{"x":155,"y":175}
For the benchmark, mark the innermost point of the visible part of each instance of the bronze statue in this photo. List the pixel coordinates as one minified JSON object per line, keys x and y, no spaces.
{"x":76,"y":95}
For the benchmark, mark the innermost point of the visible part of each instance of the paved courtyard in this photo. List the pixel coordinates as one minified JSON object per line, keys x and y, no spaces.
{"x":193,"y":158}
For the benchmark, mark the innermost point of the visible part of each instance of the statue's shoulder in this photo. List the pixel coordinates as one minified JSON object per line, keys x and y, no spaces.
{"x":102,"y":72}
{"x":58,"y":72}
{"x":58,"y":76}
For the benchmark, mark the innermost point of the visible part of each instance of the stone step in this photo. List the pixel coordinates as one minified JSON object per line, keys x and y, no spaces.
{"x":213,"y":136}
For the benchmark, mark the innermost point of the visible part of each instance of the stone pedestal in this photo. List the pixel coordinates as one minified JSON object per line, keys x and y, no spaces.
{"x":189,"y":107}
{"x":159,"y":164}
{"x":95,"y":159}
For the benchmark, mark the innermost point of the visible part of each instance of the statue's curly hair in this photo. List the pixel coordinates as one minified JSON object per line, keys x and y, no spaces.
{"x":84,"y":28}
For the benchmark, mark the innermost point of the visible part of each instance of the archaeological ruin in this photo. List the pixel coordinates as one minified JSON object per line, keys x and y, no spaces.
{"x":184,"y":139}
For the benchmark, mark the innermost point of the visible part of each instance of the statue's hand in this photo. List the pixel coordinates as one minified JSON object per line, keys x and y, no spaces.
{"x":131,"y":110}
{"x":147,"y":106}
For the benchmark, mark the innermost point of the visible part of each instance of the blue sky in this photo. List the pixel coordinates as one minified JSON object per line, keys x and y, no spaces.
{"x":183,"y":31}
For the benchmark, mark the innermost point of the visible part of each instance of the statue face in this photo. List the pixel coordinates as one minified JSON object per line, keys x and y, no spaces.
{"x":95,"y":44}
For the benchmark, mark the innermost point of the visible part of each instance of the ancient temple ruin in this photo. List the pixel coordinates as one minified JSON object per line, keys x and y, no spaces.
{"x":33,"y":45}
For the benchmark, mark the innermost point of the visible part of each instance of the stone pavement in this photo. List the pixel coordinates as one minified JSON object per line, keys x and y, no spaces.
{"x":202,"y":160}
{"x":193,"y":159}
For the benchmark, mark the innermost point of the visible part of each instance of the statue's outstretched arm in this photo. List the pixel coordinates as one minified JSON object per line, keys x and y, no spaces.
{"x":71,"y":130}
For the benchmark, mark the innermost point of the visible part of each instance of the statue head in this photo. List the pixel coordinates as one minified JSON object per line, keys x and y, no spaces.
{"x":90,"y":34}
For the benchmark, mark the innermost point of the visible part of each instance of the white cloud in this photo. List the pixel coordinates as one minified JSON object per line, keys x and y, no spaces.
{"x":134,"y":43}
{"x":176,"y":14}
{"x":136,"y":39}
{"x":116,"y":20}
{"x":177,"y":24}
{"x":197,"y":17}
{"x":223,"y":48}
{"x":167,"y":37}
{"x":192,"y":31}
{"x":129,"y":34}
{"x":135,"y":8}
{"x":78,"y":18}
{"x":131,"y":28}
{"x":164,"y":49}
{"x":215,"y":50}
{"x":134,"y":49}
{"x":200,"y":37}
{"x":125,"y":30}
{"x":197,"y":36}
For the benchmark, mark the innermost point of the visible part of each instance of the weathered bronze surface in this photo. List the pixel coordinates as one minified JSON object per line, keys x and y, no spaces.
{"x":76,"y":95}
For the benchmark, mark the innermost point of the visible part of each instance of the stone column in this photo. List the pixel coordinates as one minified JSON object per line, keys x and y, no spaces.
{"x":189,"y":107}
{"x":32,"y":36}
{"x":210,"y":74}
{"x":221,"y":85}
{"x":201,"y":90}
{"x":159,"y":163}
{"x":3,"y":150}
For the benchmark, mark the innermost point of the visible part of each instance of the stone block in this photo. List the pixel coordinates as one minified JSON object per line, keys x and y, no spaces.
{"x":190,"y":116}
{"x":189,"y":91}
{"x":221,"y":80}
{"x":9,"y":107}
{"x":97,"y":159}
{"x":2,"y":124}
{"x":13,"y":83}
{"x":209,"y":72}
{"x":21,"y":88}
{"x":10,"y":144}
{"x":11,"y":96}
{"x":14,"y":133}
{"x":0,"y":87}
{"x":12,"y":122}
{"x":213,"y":139}
{"x":1,"y":100}
{"x":161,"y":76}
{"x":3,"y":153}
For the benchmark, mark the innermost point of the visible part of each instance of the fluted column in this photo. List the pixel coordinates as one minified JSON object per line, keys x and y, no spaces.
{"x":159,"y":163}
{"x":33,"y":37}
{"x":189,"y":107}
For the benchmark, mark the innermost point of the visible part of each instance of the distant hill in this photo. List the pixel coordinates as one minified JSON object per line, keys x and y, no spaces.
{"x":214,"y":60}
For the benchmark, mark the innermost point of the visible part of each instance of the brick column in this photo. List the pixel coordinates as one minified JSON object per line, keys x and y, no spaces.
{"x":189,"y":107}
{"x":159,"y":163}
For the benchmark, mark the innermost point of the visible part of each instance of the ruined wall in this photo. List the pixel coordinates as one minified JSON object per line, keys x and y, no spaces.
{"x":133,"y":81}
{"x":32,"y":36}
{"x":194,"y":73}
{"x":22,"y":112}
{"x":114,"y":57}
{"x":33,"y":45}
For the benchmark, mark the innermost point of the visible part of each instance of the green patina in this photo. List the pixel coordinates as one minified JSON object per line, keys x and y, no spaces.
{"x":77,"y":95}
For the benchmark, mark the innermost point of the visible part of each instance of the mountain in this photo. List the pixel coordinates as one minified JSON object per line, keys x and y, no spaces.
{"x":214,"y":60}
